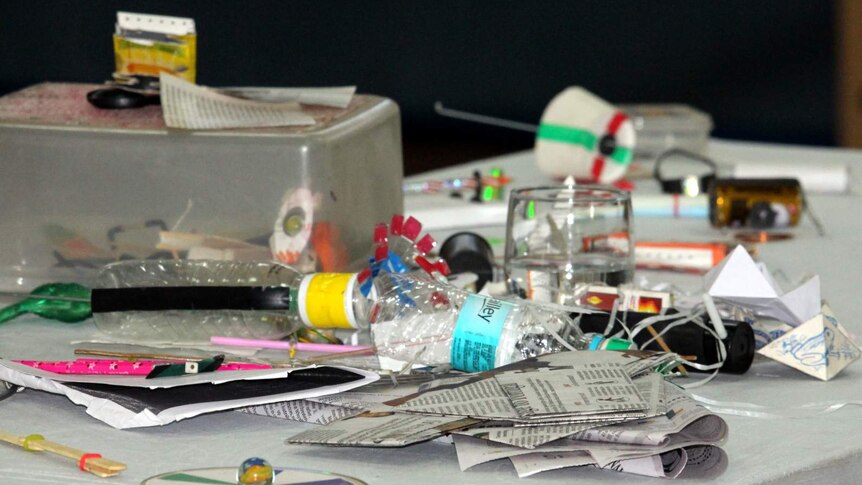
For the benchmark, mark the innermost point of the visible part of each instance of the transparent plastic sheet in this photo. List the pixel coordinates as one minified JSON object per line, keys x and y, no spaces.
{"x":196,"y":325}
{"x":751,"y":410}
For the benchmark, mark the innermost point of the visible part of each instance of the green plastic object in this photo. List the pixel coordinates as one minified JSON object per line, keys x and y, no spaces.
{"x":66,"y":302}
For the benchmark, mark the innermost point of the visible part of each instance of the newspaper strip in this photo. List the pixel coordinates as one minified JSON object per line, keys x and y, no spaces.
{"x":666,"y":465}
{"x":594,"y":388}
{"x":482,"y":398}
{"x":304,"y":411}
{"x":192,"y":107}
{"x":385,"y":430}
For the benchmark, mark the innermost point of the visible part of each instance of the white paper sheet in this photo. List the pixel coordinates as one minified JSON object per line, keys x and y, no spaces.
{"x":120,"y":417}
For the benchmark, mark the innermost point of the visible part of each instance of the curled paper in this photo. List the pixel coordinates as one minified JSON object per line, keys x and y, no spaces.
{"x":584,"y":136}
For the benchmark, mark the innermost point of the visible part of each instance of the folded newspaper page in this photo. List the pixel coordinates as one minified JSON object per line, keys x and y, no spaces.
{"x":666,"y":465}
{"x":650,"y":386}
{"x":556,"y":392}
{"x":473,"y":451}
{"x":480,"y":398}
{"x":555,"y":411}
{"x":682,"y":412}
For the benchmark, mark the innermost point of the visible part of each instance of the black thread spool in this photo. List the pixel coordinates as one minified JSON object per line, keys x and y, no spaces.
{"x":687,"y":340}
{"x":469,"y":252}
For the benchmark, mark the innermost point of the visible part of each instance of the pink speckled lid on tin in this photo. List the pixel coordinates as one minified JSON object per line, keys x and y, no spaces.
{"x":66,"y":105}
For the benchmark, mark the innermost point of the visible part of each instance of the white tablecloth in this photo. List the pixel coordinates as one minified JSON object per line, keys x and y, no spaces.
{"x":823,"y":447}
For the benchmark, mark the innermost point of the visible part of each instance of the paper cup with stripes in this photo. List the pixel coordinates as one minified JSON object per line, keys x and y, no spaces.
{"x":584,"y":136}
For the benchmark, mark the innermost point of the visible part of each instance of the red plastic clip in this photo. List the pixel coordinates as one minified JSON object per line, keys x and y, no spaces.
{"x":82,"y":463}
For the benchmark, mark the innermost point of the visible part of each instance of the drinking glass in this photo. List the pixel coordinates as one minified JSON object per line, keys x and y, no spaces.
{"x":562,"y":239}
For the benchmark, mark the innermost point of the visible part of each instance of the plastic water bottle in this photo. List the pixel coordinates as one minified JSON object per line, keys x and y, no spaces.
{"x":193,"y":300}
{"x":418,"y":319}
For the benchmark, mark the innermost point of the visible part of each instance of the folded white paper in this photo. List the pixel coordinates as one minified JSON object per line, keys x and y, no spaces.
{"x":738,"y":279}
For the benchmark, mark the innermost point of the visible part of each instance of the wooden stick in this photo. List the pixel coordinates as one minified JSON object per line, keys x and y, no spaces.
{"x":353,"y":353}
{"x":95,"y":464}
{"x":661,"y":343}
{"x":135,"y":355}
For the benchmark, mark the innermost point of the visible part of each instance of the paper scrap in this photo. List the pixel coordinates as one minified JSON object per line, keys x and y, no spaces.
{"x":189,"y":106}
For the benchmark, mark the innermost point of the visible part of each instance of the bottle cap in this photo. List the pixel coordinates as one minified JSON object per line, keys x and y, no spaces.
{"x":326,"y":300}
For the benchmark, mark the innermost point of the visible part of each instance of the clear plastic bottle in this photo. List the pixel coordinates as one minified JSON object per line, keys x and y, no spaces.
{"x":193,"y":300}
{"x":418,"y":319}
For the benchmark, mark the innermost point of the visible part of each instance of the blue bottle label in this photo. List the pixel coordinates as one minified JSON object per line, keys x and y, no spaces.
{"x":477,"y":333}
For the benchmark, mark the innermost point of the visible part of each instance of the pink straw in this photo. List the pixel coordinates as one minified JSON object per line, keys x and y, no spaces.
{"x":285,"y":345}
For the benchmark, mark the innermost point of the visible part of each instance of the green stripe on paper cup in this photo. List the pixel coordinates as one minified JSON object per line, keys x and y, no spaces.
{"x":622,"y":155}
{"x":567,"y":134}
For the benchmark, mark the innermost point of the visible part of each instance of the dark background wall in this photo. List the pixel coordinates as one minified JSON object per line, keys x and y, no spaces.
{"x":764,"y":70}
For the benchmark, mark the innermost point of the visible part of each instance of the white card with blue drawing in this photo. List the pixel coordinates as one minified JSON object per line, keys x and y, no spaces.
{"x":820,"y":347}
